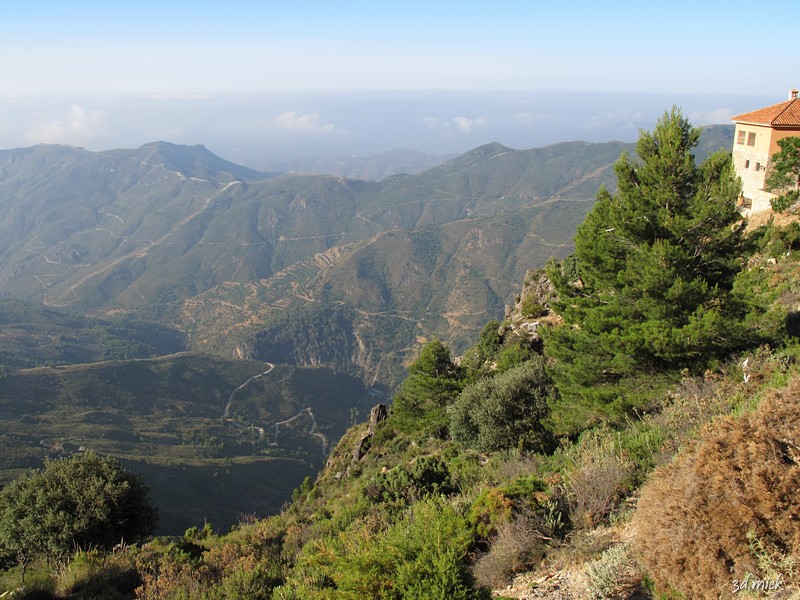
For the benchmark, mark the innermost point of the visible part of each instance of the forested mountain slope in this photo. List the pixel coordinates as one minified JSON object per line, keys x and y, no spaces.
{"x":178,"y":235}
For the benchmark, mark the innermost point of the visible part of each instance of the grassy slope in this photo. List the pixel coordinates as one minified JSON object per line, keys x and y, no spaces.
{"x":588,"y":487}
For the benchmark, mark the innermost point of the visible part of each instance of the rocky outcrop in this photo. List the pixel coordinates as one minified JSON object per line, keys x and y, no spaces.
{"x":376,"y":415}
{"x":531,"y":308}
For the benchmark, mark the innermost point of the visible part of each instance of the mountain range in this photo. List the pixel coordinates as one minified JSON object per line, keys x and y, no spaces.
{"x":372,"y":167}
{"x":139,"y":277}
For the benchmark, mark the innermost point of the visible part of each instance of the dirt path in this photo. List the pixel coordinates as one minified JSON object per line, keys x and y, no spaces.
{"x":226,"y":412}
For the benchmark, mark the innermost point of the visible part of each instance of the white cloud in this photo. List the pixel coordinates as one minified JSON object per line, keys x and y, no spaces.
{"x":75,"y":127}
{"x":456,"y":124}
{"x":619,"y":120}
{"x":467,"y":125}
{"x":311,"y":122}
{"x":711,"y":117}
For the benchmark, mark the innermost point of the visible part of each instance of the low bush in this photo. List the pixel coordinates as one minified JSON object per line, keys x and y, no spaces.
{"x":491,"y":509}
{"x":95,"y":575}
{"x":785,"y":202}
{"x":599,"y":475}
{"x":422,"y":555}
{"x":612,"y":576}
{"x":505,"y":412}
{"x":531,"y":308}
{"x":425,"y":476}
{"x":697,"y":517}
{"x":517,"y":545}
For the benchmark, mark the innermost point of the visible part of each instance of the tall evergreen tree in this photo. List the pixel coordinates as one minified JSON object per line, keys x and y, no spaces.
{"x":433,"y":383}
{"x":656,"y":265}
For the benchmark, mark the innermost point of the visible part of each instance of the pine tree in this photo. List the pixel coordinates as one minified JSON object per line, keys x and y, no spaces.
{"x":433,"y":383}
{"x":656,"y":265}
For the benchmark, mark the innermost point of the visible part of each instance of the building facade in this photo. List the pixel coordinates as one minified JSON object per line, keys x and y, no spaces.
{"x":755,"y":141}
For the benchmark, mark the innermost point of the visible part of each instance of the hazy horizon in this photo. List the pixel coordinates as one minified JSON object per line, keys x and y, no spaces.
{"x":439,"y":77}
{"x":257,"y":129}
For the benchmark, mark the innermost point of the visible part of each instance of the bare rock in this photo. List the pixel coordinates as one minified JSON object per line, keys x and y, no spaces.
{"x":378,"y":413}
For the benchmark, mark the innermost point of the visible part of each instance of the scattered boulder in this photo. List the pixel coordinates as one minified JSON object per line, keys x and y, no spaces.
{"x":378,"y":413}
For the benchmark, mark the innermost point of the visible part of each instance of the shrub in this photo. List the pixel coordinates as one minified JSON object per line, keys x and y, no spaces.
{"x":599,"y":475}
{"x":513,"y":353}
{"x":490,"y":509}
{"x":527,"y":498}
{"x":784,"y":202}
{"x":420,"y":556}
{"x":781,"y":240}
{"x":83,"y":502}
{"x":613,"y":575}
{"x":691,"y":526}
{"x":247,"y":563}
{"x":531,"y":308}
{"x":642,"y":442}
{"x":426,"y":475}
{"x":420,"y":406}
{"x":504,"y":412}
{"x":388,"y":486}
{"x":517,"y":546}
{"x":490,"y":340}
{"x":40,"y":583}
{"x":94,"y":575}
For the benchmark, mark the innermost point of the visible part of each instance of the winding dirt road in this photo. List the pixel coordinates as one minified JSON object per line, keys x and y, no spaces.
{"x":226,"y":412}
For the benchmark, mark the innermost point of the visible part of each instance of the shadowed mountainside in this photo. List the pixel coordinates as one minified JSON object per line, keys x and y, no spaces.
{"x":214,"y":438}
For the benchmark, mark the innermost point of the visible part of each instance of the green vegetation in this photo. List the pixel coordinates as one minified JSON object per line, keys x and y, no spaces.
{"x":506,"y":412}
{"x":784,"y":174}
{"x":497,"y":462}
{"x":433,"y":382}
{"x":164,"y":233}
{"x":315,"y":334}
{"x":32,"y":335}
{"x":658,"y":287}
{"x":76,"y":504}
{"x":163,"y":418}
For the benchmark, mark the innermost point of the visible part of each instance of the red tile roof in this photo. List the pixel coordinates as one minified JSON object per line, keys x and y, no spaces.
{"x":785,"y":114}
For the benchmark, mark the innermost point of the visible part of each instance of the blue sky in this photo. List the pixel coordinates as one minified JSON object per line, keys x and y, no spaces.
{"x":83,"y":72}
{"x":143,"y":46}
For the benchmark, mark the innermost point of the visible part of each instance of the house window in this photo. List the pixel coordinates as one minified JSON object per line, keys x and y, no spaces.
{"x":758,"y":166}
{"x":751,"y":139}
{"x":747,"y":164}
{"x":740,"y":139}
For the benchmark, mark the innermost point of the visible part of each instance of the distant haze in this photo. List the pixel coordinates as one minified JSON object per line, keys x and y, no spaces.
{"x":258,"y":129}
{"x":104,"y":75}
